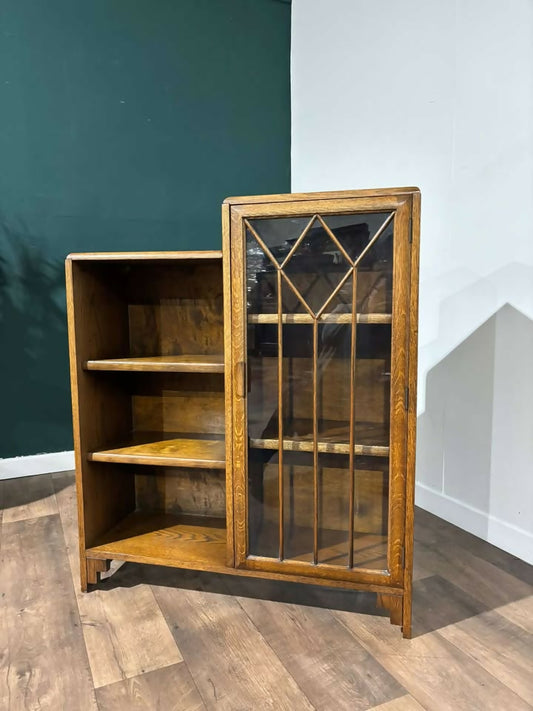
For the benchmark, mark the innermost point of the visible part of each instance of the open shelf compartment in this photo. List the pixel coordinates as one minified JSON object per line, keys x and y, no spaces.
{"x":162,"y":419}
{"x":151,"y":422}
{"x":157,"y":314}
{"x":169,"y":515}
{"x":165,"y":539}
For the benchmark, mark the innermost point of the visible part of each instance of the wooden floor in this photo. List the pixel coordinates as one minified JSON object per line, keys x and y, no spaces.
{"x":155,"y":638}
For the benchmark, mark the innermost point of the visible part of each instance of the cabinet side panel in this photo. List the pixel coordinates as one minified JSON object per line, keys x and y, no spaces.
{"x":101,"y":406}
{"x":75,"y":417}
{"x":228,"y":384}
{"x":398,"y":417}
{"x":238,"y":389}
{"x":411,"y":416}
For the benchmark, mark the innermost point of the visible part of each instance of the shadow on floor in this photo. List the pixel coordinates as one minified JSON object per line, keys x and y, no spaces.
{"x":131,"y":574}
{"x":442,"y":594}
{"x":457,"y":575}
{"x":26,"y":490}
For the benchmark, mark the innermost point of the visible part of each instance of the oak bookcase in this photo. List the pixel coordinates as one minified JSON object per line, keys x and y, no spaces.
{"x":253,"y":411}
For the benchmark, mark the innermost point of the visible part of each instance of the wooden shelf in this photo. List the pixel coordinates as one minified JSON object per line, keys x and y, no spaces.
{"x":162,"y":364}
{"x":325,"y":318}
{"x":333,"y":438}
{"x":298,"y":445}
{"x":166,"y":450}
{"x":151,"y":537}
{"x":143,"y":256}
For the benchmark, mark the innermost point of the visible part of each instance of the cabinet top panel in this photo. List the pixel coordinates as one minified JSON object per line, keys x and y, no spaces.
{"x":136,"y":256}
{"x":331,"y":195}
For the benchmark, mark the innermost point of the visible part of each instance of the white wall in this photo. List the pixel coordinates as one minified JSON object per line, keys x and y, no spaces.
{"x":440,"y":95}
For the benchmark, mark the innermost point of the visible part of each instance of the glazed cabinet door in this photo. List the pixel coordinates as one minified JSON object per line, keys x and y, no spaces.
{"x":319,"y":324}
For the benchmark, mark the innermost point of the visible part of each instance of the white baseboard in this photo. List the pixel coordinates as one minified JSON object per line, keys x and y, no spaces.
{"x":36,"y":464}
{"x":510,"y":538}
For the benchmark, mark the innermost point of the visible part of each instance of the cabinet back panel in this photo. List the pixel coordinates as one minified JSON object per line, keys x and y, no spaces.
{"x":184,"y":403}
{"x":201,"y":492}
{"x":109,"y":496}
{"x":176,"y":309}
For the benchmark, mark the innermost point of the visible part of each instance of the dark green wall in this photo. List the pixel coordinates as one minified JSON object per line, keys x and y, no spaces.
{"x":123,"y":125}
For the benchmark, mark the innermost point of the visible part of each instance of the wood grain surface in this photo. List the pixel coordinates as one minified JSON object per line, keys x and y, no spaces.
{"x":221,"y":645}
{"x":179,"y":452}
{"x":155,"y":638}
{"x":45,"y":656}
{"x":143,"y":256}
{"x":168,"y":689}
{"x":300,"y":635}
{"x":162,"y":364}
{"x":118,"y":625}
{"x":28,"y":497}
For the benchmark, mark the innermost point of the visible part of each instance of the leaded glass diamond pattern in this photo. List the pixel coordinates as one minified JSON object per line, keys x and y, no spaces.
{"x":315,"y":256}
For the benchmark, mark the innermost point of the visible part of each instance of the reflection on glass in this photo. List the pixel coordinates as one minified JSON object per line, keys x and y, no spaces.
{"x":316,"y":267}
{"x":319,"y":388}
{"x":263,"y":502}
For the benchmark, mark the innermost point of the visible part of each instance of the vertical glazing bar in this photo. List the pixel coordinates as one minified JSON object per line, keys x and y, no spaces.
{"x":280,"y":419}
{"x":352,"y":414}
{"x":315,"y":441}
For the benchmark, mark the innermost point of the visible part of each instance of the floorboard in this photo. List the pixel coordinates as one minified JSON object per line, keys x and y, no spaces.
{"x":479,"y":578}
{"x":402,"y":703}
{"x":158,"y":638}
{"x":322,"y":656}
{"x":232,"y":664}
{"x":29,"y":497}
{"x":502,"y":648}
{"x":47,"y":660}
{"x":519,"y":613}
{"x":124,"y":630}
{"x":168,"y":689}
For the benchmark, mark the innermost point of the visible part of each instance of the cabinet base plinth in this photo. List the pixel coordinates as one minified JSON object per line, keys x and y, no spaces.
{"x":394,"y":604}
{"x":94,"y":568}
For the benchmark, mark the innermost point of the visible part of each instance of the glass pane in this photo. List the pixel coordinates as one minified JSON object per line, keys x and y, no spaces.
{"x":280,"y":233}
{"x":331,"y":388}
{"x":334,"y":484}
{"x":263,"y":381}
{"x":298,"y":507}
{"x":261,"y":279}
{"x":371,"y":513}
{"x":333,"y":382}
{"x":374,"y":276}
{"x":354,"y":232}
{"x":333,"y":533}
{"x":263,"y":502}
{"x":297,"y":382}
{"x":372,"y":385}
{"x":316,"y":267}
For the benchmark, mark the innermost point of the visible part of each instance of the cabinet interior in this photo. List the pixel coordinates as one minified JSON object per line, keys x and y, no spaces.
{"x":149,"y":350}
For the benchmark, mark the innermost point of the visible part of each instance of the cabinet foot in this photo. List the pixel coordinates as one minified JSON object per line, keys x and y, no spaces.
{"x":392,"y":603}
{"x":94,"y":567}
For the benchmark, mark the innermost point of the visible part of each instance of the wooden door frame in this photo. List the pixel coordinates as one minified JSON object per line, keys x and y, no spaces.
{"x":234,"y":247}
